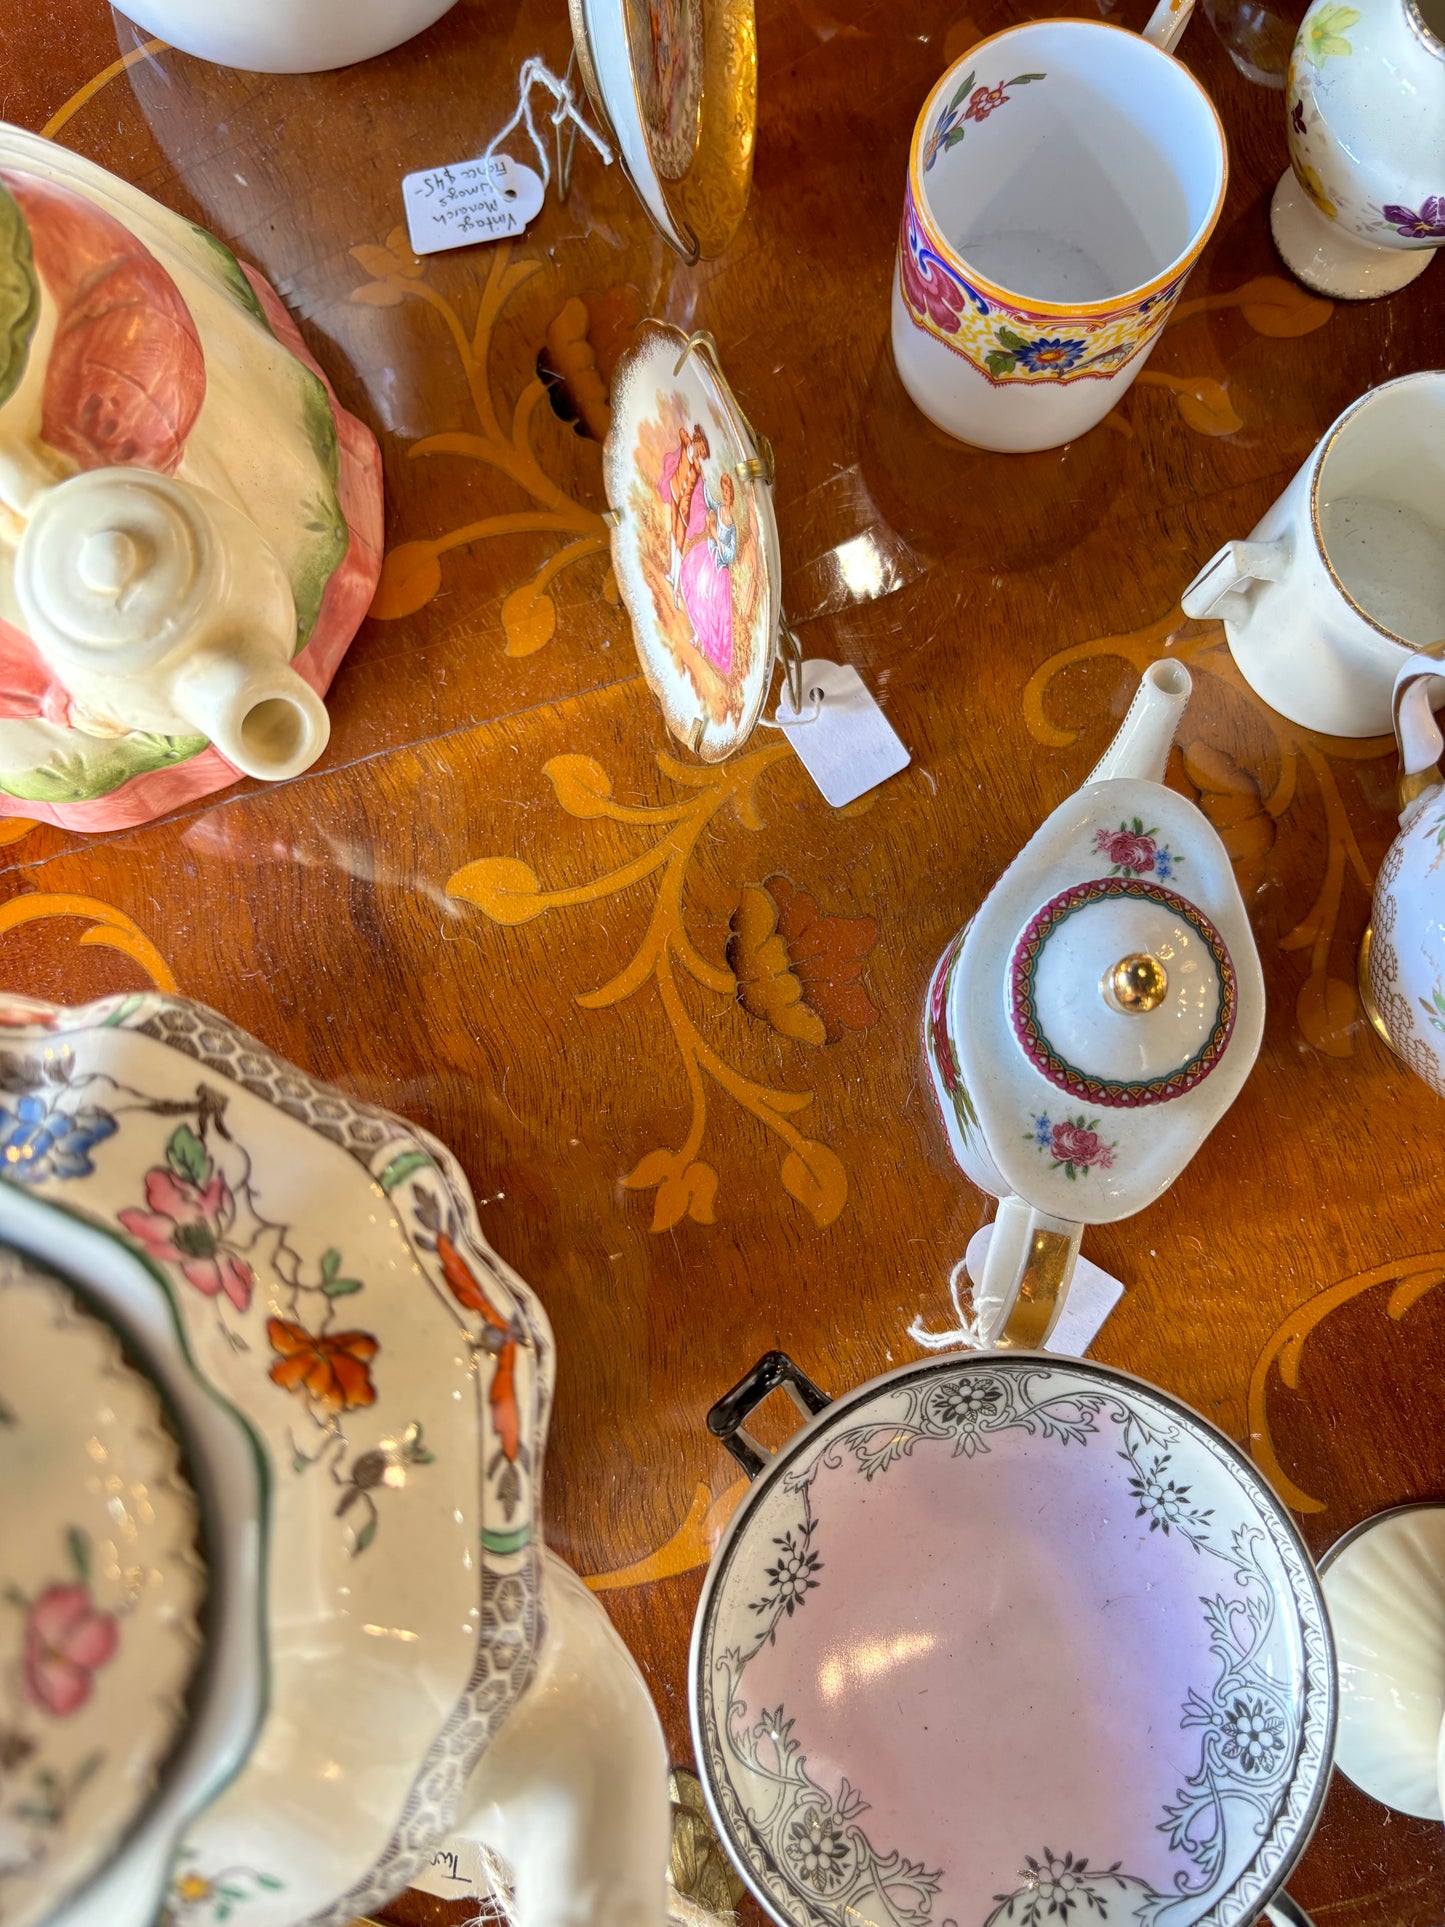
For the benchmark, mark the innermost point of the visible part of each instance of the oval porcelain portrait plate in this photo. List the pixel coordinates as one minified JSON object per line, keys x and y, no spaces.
{"x":997,"y":1640}
{"x":695,"y":543}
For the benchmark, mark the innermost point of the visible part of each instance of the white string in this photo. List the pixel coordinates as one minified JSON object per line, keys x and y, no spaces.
{"x":970,"y":1332}
{"x":795,"y":722}
{"x":535,"y":73}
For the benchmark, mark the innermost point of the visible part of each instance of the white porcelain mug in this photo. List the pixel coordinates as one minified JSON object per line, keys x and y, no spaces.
{"x":1064,"y":177}
{"x":1344,"y":578}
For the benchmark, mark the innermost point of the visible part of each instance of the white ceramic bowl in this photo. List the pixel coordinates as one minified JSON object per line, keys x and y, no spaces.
{"x":1384,"y":1583}
{"x":285,"y":36}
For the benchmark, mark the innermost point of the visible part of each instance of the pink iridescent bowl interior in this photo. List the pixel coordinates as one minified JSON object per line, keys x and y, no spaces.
{"x":997,"y":1650}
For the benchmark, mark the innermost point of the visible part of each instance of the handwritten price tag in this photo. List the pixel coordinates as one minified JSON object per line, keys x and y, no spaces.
{"x":470,"y":201}
{"x":846,"y":743}
{"x":455,"y":1872}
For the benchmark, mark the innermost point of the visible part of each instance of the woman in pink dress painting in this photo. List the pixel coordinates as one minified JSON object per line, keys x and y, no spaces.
{"x":704,"y":547}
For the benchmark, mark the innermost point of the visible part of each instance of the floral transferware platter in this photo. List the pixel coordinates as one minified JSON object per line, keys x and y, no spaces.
{"x":100,"y":1590}
{"x":694,"y":539}
{"x":675,"y":85}
{"x":328,"y":1279}
{"x":996,"y":1637}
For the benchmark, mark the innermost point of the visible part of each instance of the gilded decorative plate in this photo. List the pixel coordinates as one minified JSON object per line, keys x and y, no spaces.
{"x":998,"y":1637}
{"x":674,"y":83}
{"x":695,"y":540}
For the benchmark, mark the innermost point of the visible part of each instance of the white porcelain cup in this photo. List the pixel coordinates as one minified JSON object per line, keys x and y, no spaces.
{"x":1345,"y":576}
{"x":284,"y":36}
{"x":1063,"y":179}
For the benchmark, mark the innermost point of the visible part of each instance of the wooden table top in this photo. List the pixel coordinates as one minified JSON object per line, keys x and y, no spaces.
{"x":686,"y":1184}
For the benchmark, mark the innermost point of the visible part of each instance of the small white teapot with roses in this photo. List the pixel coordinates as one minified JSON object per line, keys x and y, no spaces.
{"x":1090,"y":1025}
{"x":1402,"y":959}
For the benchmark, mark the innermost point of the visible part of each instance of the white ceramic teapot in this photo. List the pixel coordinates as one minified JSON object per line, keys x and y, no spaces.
{"x":189,"y":523}
{"x":390,"y":1656}
{"x":1095,"y":1019}
{"x":1402,"y":958}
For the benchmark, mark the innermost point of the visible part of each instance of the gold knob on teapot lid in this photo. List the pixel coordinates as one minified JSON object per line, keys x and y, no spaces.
{"x":1137,"y":983}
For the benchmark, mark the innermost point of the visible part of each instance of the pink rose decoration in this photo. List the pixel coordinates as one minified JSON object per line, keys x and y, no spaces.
{"x":1127,"y":848}
{"x":185,"y":1226}
{"x":66,"y":1639}
{"x":1072,"y":1144}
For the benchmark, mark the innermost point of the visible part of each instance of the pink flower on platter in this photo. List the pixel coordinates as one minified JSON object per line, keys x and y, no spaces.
{"x":186,"y":1225}
{"x":1076,"y":1145}
{"x":66,"y":1640}
{"x":1129,"y":849}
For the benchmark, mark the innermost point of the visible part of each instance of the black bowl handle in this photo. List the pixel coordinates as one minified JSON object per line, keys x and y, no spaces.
{"x":774,"y":1371}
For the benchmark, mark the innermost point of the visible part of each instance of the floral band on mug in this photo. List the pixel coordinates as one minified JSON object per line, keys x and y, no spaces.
{"x":1006,"y":343}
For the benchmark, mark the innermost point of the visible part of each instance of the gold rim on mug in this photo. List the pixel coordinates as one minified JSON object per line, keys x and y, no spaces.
{"x":1011,"y":297}
{"x":1322,"y":455}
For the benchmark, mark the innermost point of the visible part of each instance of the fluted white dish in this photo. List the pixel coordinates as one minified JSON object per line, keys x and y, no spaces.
{"x":1384,"y":1584}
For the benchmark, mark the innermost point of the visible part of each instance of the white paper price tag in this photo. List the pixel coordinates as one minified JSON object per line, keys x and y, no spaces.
{"x":1093,"y":1294}
{"x":470,"y":201}
{"x":849,"y":746}
{"x":455,"y":1872}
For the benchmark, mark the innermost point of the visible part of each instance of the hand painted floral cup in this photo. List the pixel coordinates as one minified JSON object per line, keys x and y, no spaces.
{"x":1360,"y":210}
{"x":1063,"y":179}
{"x":1344,"y":578}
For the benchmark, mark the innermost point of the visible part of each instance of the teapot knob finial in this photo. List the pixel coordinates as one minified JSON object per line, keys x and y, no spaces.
{"x":1136,"y":984}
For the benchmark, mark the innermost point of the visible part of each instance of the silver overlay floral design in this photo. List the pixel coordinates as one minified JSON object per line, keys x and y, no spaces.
{"x":1263,"y":1737}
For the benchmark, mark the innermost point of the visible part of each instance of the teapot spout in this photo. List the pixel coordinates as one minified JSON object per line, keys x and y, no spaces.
{"x":1141,"y":748}
{"x":258,"y":712}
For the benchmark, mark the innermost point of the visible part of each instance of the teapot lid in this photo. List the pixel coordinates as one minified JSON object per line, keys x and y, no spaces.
{"x":1108,"y":1002}
{"x":1122,"y":992}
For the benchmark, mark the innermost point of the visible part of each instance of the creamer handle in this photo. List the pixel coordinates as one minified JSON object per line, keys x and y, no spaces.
{"x":1026,"y":1276}
{"x":1165,"y":26}
{"x":1218,"y":589}
{"x":1418,"y":686}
